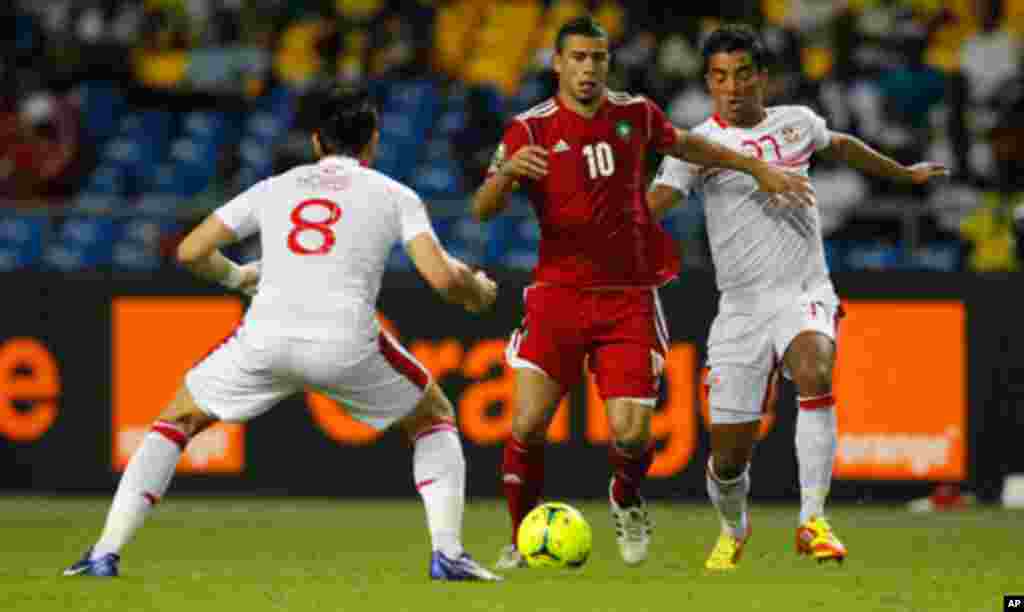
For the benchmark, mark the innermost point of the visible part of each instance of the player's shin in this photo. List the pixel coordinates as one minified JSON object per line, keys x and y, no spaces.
{"x":816,"y":442}
{"x":143,"y":484}
{"x":729,"y":497}
{"x":439,"y":470}
{"x":522,"y":474}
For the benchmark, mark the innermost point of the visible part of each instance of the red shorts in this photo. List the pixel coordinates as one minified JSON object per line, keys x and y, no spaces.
{"x":621,"y":333}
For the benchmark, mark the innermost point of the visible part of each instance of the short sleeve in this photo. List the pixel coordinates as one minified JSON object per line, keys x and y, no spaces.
{"x":820,"y":134}
{"x":663,"y":135}
{"x":677,"y":174}
{"x":517,"y":136}
{"x":239,"y":214}
{"x":413,"y":219}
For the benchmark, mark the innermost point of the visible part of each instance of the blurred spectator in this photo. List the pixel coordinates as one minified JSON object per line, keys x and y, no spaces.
{"x":40,"y":143}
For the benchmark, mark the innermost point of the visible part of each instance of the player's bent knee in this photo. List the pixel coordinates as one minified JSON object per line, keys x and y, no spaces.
{"x":815,"y":379}
{"x":184,"y":412}
{"x":432,"y":409}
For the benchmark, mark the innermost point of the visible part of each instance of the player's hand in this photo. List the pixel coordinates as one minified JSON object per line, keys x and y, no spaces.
{"x":250,"y":277}
{"x":791,"y":190}
{"x":923,"y":172}
{"x":529,"y":162}
{"x":485,"y":295}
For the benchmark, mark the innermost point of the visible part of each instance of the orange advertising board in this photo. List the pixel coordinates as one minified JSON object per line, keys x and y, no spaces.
{"x":901,"y":386}
{"x":155,"y":341}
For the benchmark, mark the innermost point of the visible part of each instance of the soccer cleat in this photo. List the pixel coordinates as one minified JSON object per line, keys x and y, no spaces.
{"x":815,"y":538}
{"x":727,"y":551}
{"x":510,"y":558}
{"x":104,"y":567}
{"x":632,"y":529}
{"x":462,"y":569}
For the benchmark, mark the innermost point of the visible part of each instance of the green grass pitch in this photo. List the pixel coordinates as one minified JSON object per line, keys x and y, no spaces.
{"x":214,"y":554}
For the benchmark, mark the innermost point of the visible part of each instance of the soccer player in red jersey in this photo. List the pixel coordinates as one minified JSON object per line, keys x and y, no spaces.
{"x":581,"y":157}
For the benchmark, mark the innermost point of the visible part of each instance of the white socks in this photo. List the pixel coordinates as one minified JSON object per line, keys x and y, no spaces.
{"x":143,"y":483}
{"x":730,"y":499}
{"x":439,"y":470}
{"x":816,"y":442}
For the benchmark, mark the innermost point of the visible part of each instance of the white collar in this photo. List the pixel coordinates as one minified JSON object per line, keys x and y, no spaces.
{"x":339,"y":160}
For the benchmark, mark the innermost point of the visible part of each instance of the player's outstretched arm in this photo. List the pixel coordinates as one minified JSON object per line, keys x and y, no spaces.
{"x":200,"y":253}
{"x":451,"y":278}
{"x":858,"y":154}
{"x":793,"y":188}
{"x":491,"y":198}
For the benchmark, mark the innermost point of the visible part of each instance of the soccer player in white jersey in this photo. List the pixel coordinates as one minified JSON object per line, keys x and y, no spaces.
{"x":777,"y":308}
{"x":326,"y":230}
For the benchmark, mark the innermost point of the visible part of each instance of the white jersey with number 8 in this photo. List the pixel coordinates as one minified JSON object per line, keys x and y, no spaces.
{"x":326,"y":232}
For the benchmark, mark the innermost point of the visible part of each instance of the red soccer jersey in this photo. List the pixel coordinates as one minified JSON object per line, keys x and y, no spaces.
{"x":595,"y":227}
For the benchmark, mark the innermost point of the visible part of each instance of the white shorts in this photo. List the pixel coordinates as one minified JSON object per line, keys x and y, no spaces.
{"x":745,"y":352}
{"x":249,"y":373}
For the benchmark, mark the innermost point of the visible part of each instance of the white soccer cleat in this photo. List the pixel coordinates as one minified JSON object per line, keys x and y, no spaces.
{"x":633,"y":529}
{"x":510,"y":558}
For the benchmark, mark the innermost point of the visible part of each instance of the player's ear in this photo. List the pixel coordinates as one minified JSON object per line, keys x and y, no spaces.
{"x":318,"y":149}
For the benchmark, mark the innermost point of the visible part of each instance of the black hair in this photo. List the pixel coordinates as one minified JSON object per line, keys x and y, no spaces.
{"x":348,"y":120}
{"x":580,"y":26}
{"x":737,"y":37}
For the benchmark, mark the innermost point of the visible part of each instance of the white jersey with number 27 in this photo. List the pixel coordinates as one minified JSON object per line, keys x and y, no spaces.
{"x":326,"y":232}
{"x":763,"y":256}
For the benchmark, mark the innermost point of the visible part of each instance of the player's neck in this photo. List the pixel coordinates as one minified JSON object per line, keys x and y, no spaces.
{"x":747,"y":120}
{"x":586,"y":110}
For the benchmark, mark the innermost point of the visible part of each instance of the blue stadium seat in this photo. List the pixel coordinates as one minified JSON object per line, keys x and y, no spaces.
{"x":438,"y":179}
{"x":937,"y":256}
{"x":156,"y":203}
{"x":22,"y":240}
{"x":451,"y":122}
{"x":265,"y":128}
{"x":86,"y":202}
{"x":109,"y":180}
{"x":102,"y":106}
{"x":873,"y":256}
{"x":462,"y":237}
{"x":84,"y":242}
{"x":128,"y":255}
{"x":513,"y":241}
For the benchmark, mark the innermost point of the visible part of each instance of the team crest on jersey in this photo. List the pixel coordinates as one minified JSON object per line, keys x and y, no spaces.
{"x":623,"y":129}
{"x":790,"y":134}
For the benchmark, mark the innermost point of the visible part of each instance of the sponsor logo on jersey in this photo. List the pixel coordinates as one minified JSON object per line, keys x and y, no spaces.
{"x":560,"y":146}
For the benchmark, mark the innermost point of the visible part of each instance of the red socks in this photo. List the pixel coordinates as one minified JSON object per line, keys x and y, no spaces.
{"x":522,"y":475}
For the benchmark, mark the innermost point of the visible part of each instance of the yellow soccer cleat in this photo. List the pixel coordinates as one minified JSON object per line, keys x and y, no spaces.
{"x":727,"y":551}
{"x":815,"y":538}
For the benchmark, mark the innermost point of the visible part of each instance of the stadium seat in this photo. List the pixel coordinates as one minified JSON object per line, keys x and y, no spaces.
{"x":84,"y":242}
{"x":462,"y":237}
{"x":101,"y":106}
{"x":22,"y":240}
{"x":512,"y":241}
{"x":108,"y":180}
{"x":438,"y":179}
{"x":937,"y":257}
{"x":873,"y":256}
